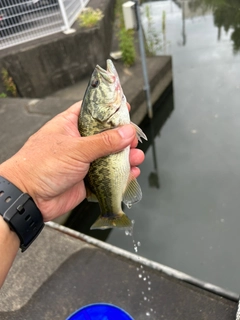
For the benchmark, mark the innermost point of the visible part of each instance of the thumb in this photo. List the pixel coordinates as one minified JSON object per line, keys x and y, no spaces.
{"x":106,"y":142}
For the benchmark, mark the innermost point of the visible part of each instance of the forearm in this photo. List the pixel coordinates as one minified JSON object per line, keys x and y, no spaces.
{"x":9,"y":245}
{"x":9,"y":240}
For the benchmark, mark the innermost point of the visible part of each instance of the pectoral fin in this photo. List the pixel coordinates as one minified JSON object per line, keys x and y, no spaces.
{"x":133,"y":192}
{"x":140,"y":134}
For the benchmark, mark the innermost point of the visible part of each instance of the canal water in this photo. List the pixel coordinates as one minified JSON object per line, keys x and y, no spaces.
{"x":192,"y":222}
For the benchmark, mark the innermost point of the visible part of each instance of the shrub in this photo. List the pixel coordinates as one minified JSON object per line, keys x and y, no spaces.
{"x":89,"y":17}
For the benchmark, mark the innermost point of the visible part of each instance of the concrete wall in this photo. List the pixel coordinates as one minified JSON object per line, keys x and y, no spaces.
{"x":47,"y":65}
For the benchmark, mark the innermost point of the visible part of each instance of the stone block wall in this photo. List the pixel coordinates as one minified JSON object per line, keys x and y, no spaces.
{"x":41,"y":67}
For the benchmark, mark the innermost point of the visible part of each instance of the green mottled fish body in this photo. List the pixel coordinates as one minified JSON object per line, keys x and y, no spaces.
{"x":109,"y":180}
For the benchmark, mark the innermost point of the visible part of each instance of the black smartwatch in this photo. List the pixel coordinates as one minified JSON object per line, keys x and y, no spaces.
{"x":20,"y":212}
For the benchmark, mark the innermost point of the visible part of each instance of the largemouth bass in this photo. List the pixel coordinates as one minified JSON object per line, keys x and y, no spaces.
{"x":109,"y":180}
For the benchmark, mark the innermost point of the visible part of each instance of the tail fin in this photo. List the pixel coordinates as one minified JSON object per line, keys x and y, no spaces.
{"x":119,"y":220}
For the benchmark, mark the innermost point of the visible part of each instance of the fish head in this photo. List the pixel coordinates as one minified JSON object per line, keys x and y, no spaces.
{"x":104,"y":95}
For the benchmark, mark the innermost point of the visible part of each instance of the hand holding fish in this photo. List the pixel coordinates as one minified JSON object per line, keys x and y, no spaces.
{"x":54,"y":161}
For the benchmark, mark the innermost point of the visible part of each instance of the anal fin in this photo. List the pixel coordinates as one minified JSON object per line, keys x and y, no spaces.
{"x":133,"y":192}
{"x":119,"y":220}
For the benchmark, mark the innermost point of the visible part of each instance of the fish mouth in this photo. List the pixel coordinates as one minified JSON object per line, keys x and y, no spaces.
{"x":105,"y":74}
{"x":110,"y":76}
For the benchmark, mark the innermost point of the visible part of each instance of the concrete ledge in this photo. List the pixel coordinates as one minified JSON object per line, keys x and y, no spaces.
{"x":60,"y":273}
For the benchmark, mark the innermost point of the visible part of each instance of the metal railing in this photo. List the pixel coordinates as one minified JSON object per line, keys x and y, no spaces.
{"x":25,"y":20}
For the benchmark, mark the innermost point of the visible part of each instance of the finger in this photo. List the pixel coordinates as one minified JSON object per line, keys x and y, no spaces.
{"x":135,"y":171}
{"x":105,"y":143}
{"x":75,"y":108}
{"x":134,"y":142}
{"x":136,"y":157}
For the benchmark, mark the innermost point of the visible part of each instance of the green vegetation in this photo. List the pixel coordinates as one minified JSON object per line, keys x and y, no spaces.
{"x":164,"y":21}
{"x":9,"y":84}
{"x":125,"y":37}
{"x":153,"y":40}
{"x":126,"y":45}
{"x":3,"y":95}
{"x":89,"y":17}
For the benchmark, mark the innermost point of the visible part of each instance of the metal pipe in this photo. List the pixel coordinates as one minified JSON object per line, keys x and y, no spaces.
{"x":64,"y":15}
{"x":143,"y":59}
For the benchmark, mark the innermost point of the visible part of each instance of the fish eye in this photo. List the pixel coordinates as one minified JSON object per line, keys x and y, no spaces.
{"x":95,"y":83}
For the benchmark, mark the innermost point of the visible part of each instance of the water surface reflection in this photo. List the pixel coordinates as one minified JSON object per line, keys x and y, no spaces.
{"x":192,"y":222}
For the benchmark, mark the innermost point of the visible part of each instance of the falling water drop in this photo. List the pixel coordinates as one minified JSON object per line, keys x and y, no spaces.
{"x":142,"y":273}
{"x":135,"y":247}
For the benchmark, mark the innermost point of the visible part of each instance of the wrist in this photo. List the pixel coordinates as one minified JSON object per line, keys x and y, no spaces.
{"x":7,"y":236}
{"x":9,"y":244}
{"x":13,"y":172}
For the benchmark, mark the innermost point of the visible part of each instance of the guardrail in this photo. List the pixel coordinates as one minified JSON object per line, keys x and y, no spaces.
{"x":25,"y":20}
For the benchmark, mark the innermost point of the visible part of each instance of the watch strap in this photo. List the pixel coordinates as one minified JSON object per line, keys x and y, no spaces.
{"x":20,"y":212}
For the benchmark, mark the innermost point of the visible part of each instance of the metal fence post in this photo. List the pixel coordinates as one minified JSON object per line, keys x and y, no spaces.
{"x":64,"y":15}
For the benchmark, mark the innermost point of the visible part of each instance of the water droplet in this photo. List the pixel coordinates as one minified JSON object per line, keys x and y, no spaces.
{"x":149,"y":282}
{"x":148,"y":314}
{"x":137,"y":269}
{"x":149,"y":288}
{"x":144,"y":279}
{"x":145,"y":298}
{"x":142,"y":292}
{"x":141,"y":266}
{"x":129,"y":231}
{"x":139,"y":243}
{"x":140,"y":276}
{"x":135,"y":248}
{"x":151,"y":310}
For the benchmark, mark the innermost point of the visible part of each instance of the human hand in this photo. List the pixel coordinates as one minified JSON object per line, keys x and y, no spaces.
{"x":52,"y":164}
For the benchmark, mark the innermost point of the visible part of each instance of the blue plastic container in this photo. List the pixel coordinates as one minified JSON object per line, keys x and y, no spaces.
{"x":100,"y":311}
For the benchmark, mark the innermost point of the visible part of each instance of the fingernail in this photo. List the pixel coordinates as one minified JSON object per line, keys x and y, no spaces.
{"x":126,"y":131}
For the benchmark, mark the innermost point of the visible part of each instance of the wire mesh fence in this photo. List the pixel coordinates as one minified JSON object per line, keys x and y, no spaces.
{"x":25,"y":20}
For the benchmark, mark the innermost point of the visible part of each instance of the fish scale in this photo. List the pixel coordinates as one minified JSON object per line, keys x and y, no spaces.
{"x":109,"y":180}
